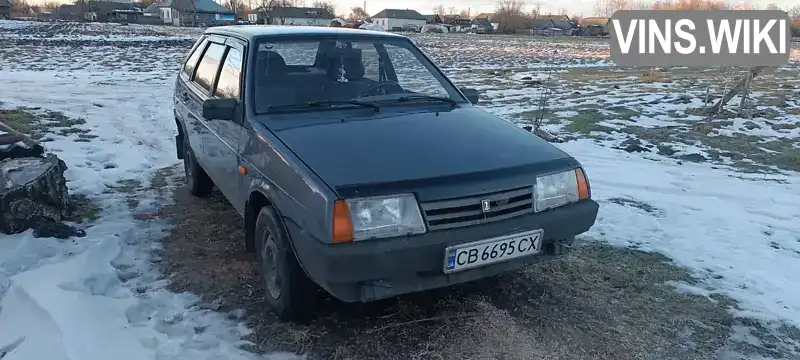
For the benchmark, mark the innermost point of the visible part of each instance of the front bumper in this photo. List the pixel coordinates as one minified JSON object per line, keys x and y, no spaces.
{"x":376,"y":269}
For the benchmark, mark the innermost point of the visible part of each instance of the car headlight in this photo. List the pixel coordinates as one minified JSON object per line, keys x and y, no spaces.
{"x":559,"y":189}
{"x":376,"y":217}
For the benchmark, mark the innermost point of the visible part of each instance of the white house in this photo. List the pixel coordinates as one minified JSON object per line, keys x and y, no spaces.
{"x":396,"y":19}
{"x":303,"y":16}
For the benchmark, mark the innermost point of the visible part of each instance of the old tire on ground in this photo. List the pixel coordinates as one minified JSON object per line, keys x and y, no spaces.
{"x":197,"y":180}
{"x":287,"y":289}
{"x":32,"y":188}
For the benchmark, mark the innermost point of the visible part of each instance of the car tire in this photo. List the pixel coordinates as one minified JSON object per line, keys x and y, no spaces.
{"x":197,"y":180}
{"x":287,"y":289}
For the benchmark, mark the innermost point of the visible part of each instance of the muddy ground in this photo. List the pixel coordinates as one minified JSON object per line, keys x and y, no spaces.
{"x":599,"y":302}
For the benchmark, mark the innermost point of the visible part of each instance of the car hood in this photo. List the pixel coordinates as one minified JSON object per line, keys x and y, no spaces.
{"x":406,"y":146}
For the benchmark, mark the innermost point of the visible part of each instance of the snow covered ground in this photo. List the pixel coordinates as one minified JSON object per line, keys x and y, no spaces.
{"x":734,"y":222}
{"x":99,"y":297}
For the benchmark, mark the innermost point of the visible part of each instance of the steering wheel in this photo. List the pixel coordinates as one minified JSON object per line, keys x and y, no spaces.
{"x":387,"y":86}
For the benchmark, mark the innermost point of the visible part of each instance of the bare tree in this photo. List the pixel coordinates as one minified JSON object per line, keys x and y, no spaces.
{"x":327,"y":5}
{"x":689,"y":5}
{"x":536,"y":10}
{"x":452,"y":10}
{"x":50,"y":6}
{"x":464,"y":13}
{"x":439,"y":10}
{"x":795,"y":12}
{"x":640,"y":5}
{"x":510,"y":16}
{"x":357,"y":14}
{"x":773,"y":6}
{"x":20,"y":8}
{"x":607,"y":8}
{"x":240,"y":7}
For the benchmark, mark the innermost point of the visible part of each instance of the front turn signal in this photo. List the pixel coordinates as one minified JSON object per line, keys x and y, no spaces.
{"x":342,"y":224}
{"x":583,"y":185}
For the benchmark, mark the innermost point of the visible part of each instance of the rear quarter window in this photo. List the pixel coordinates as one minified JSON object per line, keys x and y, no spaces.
{"x":191,"y":62}
{"x":209,"y":65}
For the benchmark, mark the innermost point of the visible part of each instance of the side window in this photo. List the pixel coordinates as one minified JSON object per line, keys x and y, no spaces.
{"x":412,"y":74}
{"x":191,"y":62}
{"x":207,"y":69}
{"x":370,"y":59}
{"x":230,"y":77}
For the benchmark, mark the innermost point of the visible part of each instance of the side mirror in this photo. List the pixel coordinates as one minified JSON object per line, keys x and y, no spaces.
{"x":471,"y":94}
{"x":220,"y":109}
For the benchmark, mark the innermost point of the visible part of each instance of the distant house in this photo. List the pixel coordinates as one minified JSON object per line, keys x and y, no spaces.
{"x":550,"y":25}
{"x":5,"y":9}
{"x":594,"y":26}
{"x":490,"y":17}
{"x":192,"y":12}
{"x":105,"y":11}
{"x":399,"y":20}
{"x":458,"y":23}
{"x":482,"y":26}
{"x":434,"y":19}
{"x":68,"y":12}
{"x":304,"y":16}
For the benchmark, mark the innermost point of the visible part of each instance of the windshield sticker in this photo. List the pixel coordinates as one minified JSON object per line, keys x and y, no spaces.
{"x":341,"y":45}
{"x":265,"y":46}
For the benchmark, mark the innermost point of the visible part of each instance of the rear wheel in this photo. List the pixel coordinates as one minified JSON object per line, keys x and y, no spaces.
{"x":197,"y":180}
{"x":287,"y":289}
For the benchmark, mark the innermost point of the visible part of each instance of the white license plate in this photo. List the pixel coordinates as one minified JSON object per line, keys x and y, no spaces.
{"x":484,"y":252}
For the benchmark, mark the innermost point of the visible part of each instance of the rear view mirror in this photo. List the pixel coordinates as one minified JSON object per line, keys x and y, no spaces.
{"x":220,"y":109}
{"x":471,"y":94}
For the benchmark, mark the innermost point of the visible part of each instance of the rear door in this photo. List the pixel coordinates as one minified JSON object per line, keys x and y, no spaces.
{"x":182,"y":104}
{"x":198,"y":91}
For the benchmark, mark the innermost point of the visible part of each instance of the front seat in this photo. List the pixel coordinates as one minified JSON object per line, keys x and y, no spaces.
{"x":349,"y":60}
{"x":272,"y":82}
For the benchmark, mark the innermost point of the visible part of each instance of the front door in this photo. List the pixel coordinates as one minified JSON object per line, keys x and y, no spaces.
{"x":222,"y":145}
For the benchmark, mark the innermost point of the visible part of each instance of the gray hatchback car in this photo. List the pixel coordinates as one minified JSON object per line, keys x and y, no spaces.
{"x":360,"y":168}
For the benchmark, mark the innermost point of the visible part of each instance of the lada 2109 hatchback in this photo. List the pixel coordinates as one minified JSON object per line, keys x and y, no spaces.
{"x":358,"y":166}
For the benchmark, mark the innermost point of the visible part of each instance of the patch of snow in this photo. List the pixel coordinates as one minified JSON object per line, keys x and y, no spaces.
{"x":711,"y":220}
{"x":100,"y":296}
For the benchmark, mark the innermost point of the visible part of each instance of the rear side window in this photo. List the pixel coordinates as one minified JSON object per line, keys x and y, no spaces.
{"x":191,"y":63}
{"x":209,"y":64}
{"x":230,"y":76}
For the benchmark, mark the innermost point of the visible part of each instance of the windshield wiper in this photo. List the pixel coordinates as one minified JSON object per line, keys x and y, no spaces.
{"x":407,"y":98}
{"x":332,"y":104}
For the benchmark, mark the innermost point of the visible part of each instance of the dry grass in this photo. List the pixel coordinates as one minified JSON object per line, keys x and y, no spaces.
{"x":599,"y":302}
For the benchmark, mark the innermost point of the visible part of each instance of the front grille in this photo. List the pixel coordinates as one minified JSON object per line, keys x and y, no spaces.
{"x":466,"y":211}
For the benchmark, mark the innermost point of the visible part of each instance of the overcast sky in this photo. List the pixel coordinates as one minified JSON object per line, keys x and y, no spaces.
{"x":585,"y":7}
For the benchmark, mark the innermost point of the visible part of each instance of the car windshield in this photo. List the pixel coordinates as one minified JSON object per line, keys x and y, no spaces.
{"x":332,"y":73}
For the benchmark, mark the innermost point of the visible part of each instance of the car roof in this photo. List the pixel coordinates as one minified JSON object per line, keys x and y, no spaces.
{"x":251,"y":31}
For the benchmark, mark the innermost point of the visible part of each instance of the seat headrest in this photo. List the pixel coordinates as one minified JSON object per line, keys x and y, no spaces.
{"x":347,"y":59}
{"x":271,"y":64}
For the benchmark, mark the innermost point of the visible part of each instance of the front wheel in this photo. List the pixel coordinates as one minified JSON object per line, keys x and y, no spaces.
{"x":197,"y":180}
{"x":287,"y":289}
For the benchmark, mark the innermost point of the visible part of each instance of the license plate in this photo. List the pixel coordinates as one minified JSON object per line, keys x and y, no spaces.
{"x":490,"y":251}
